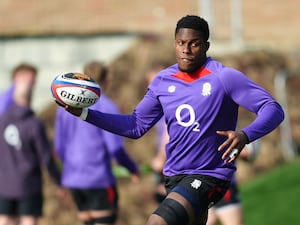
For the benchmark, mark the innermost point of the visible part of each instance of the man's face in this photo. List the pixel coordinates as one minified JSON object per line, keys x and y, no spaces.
{"x":24,"y":81}
{"x":190,"y":49}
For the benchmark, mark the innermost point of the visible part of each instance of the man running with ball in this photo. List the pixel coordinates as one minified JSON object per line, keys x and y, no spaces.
{"x":199,"y":98}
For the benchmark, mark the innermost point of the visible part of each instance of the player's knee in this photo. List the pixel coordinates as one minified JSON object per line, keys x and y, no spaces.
{"x":84,"y":216}
{"x":111,"y":219}
{"x":172,"y":212}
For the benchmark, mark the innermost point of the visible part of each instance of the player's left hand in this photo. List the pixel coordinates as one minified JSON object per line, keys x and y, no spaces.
{"x":235,"y":142}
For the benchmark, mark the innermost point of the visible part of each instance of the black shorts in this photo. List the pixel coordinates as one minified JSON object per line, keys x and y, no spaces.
{"x":27,"y":206}
{"x":231,"y":197}
{"x":95,"y":199}
{"x":201,"y":191}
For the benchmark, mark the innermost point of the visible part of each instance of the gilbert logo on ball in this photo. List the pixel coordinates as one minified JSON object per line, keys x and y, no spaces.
{"x":75,"y":89}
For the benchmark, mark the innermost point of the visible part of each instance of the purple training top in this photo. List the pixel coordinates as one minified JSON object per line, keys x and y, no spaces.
{"x":195,"y":107}
{"x":25,"y":151}
{"x":6,"y":99}
{"x":160,"y":128}
{"x":87,"y":151}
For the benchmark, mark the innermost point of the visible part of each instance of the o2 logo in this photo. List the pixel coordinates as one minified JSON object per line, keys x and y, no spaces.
{"x":191,"y":121}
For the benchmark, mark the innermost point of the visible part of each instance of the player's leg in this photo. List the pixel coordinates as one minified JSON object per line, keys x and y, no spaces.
{"x":96,"y":206}
{"x":173,"y":210}
{"x":85,"y":217}
{"x":30,"y":209}
{"x":104,"y":217}
{"x":176,"y":210}
{"x":103,"y":205}
{"x":229,"y":210}
{"x":7,"y":211}
{"x":28,"y":220}
{"x":7,"y":220}
{"x":231,"y":215}
{"x":212,"y":217}
{"x":188,"y":200}
{"x":81,"y":201}
{"x":160,"y":190}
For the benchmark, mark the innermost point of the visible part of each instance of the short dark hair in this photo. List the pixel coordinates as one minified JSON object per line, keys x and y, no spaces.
{"x":23,"y":67}
{"x":194,"y":22}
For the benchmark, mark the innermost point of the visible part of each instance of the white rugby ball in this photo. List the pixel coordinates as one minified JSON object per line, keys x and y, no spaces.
{"x":75,"y":89}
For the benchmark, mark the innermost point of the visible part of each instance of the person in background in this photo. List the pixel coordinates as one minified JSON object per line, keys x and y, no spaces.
{"x":159,"y":160}
{"x":162,"y":138}
{"x":6,"y":99}
{"x":25,"y":151}
{"x":229,"y":210}
{"x":86,"y":153}
{"x":199,"y":98}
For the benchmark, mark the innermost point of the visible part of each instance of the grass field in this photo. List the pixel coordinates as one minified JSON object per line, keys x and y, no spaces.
{"x":273,"y":198}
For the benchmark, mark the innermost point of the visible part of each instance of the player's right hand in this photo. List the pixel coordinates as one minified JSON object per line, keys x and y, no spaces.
{"x":70,"y":109}
{"x":59,"y":103}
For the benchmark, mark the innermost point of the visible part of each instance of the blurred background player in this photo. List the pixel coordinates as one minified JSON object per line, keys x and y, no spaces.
{"x":162,"y":139}
{"x":25,"y":151}
{"x":86,"y":153}
{"x":159,"y":160}
{"x":229,"y":210}
{"x":6,"y":98}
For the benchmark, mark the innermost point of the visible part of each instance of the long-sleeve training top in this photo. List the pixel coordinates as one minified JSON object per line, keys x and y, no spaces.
{"x":25,"y":151}
{"x":87,"y":152}
{"x":195,"y":106}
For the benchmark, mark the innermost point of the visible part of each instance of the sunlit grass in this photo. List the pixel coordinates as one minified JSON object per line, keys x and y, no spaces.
{"x":273,"y":197}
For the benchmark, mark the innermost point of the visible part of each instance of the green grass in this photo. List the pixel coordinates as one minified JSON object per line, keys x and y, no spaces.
{"x":122,"y":172}
{"x":273,"y":198}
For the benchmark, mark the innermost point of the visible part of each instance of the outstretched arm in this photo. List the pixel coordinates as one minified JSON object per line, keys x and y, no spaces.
{"x":134,"y":125}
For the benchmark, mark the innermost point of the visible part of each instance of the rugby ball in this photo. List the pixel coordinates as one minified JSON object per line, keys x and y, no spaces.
{"x":75,"y":89}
